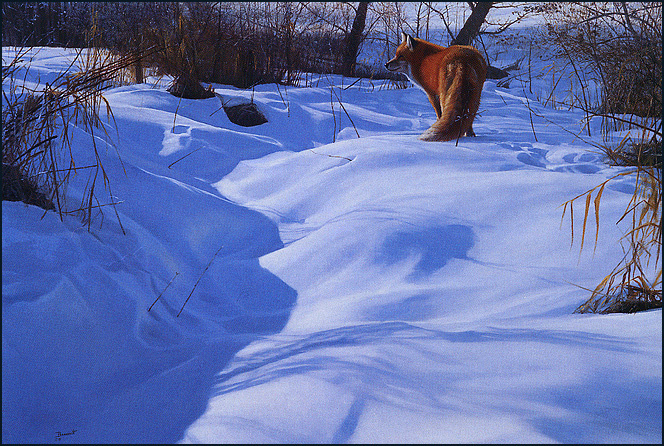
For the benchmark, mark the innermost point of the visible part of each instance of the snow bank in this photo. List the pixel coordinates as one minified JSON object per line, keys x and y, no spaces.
{"x":371,"y":289}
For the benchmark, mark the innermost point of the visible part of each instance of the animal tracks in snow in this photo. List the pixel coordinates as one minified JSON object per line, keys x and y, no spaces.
{"x":541,"y":156}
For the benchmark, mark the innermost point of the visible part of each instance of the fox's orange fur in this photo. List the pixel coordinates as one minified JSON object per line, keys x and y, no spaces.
{"x":451,"y":77}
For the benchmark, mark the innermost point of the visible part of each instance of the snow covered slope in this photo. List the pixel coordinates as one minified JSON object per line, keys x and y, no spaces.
{"x":371,"y":289}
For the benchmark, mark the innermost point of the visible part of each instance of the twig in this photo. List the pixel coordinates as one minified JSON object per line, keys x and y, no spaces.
{"x":282,"y":98}
{"x":356,"y":81}
{"x":169,"y":166}
{"x":91,"y":207}
{"x":344,"y":108}
{"x":169,"y":284}
{"x":199,"y":279}
{"x":223,"y":104}
{"x":331,"y":156}
{"x":175,"y":115}
{"x":530,"y":113}
{"x":334,"y":118}
{"x":115,"y":210}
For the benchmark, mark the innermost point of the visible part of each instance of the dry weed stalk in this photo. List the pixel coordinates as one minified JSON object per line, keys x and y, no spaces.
{"x":636,"y":282}
{"x":36,"y":169}
{"x":618,"y":45}
{"x":631,"y":286}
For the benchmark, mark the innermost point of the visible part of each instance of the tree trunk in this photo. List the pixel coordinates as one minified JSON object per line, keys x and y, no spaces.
{"x":288,"y":37}
{"x":138,"y":66}
{"x":353,"y":40}
{"x":472,"y":26}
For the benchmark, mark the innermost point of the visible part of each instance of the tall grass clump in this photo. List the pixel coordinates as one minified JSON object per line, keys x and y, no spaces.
{"x":234,"y":43}
{"x":37,"y":157}
{"x":618,"y":46}
{"x":242,"y":44}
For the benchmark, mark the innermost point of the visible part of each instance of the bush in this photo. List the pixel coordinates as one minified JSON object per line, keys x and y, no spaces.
{"x":621,"y":44}
{"x":37,"y":160}
{"x":27,"y":135}
{"x":241,"y":45}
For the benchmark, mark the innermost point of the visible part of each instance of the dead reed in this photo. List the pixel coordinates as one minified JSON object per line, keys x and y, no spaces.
{"x":619,"y":47}
{"x":636,"y":281}
{"x":37,"y":157}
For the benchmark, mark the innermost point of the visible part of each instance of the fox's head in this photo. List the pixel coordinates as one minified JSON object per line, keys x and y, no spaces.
{"x":400,"y":62}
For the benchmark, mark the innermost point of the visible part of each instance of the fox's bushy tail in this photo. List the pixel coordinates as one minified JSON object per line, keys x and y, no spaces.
{"x":459,"y":106}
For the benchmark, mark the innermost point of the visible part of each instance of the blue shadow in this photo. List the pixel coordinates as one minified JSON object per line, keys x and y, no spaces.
{"x":436,"y":245}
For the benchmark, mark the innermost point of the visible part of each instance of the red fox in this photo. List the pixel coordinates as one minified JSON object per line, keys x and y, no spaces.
{"x":451,"y":77}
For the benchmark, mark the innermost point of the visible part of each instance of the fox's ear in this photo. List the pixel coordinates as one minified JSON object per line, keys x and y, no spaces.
{"x":410,"y":43}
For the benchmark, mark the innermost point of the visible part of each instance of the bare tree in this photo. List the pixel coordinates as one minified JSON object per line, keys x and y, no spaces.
{"x":476,"y":25}
{"x":472,"y":26}
{"x":353,"y":40}
{"x":478,"y":22}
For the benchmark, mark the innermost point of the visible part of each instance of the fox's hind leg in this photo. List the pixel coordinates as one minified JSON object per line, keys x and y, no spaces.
{"x":435,"y":101}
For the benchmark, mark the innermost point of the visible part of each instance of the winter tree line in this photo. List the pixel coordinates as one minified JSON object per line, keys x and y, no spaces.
{"x":254,"y":41}
{"x":241,"y":43}
{"x":245,"y":43}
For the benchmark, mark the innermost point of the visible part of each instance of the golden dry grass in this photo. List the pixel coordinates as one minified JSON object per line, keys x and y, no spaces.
{"x":36,"y":142}
{"x":636,"y":281}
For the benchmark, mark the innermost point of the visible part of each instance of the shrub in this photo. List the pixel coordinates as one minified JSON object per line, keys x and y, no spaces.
{"x":621,"y":44}
{"x":37,"y":160}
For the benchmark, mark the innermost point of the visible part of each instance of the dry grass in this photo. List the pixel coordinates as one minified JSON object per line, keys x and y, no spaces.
{"x":619,"y":47}
{"x":37,"y":156}
{"x":636,"y":282}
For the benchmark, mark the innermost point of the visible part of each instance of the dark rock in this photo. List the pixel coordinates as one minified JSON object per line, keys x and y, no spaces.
{"x":188,"y":88}
{"x":632,"y":306}
{"x":17,"y":187}
{"x":246,"y":115}
{"x":495,"y":73}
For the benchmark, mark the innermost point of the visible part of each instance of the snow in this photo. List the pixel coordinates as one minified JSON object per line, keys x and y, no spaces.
{"x":371,"y":289}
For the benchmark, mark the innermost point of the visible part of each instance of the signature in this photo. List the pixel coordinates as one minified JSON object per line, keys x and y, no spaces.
{"x":59,"y":435}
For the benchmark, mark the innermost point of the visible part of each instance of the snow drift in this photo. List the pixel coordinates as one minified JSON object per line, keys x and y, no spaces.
{"x":337,"y":289}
